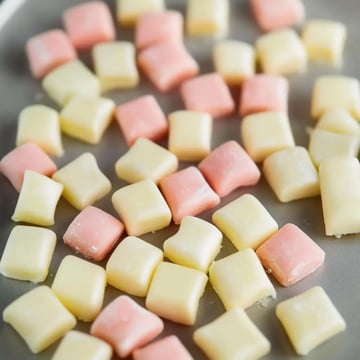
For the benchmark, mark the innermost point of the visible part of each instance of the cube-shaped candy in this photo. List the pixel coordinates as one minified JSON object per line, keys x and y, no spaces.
{"x":40,"y":124}
{"x":232,"y":336}
{"x":175,"y":292}
{"x":167,"y":64}
{"x":67,"y":80}
{"x":48,"y":50}
{"x":264,"y":92}
{"x":37,"y":200}
{"x":80,"y":286}
{"x":196,"y":244}
{"x":115,"y":65}
{"x":309,"y":319}
{"x":39,"y":317}
{"x":28,"y":253}
{"x":281,"y":52}
{"x":125,"y":325}
{"x":339,"y":121}
{"x":132,"y":264}
{"x":188,"y":193}
{"x":88,"y":24}
{"x":141,"y":207}
{"x":208,"y":93}
{"x":234,"y":60}
{"x":240,"y":280}
{"x":245,"y":221}
{"x":290,"y":255}
{"x":335,"y":92}
{"x":142,"y":117}
{"x":265,"y":133}
{"x":278,"y":13}
{"x":28,"y":156}
{"x":228,"y":167}
{"x":79,"y":345}
{"x":190,"y":134}
{"x":87,"y":117}
{"x":82,"y":234}
{"x":291,"y":174}
{"x":324,"y":41}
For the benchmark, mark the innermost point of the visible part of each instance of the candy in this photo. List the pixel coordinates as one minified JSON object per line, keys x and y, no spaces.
{"x":338,"y":121}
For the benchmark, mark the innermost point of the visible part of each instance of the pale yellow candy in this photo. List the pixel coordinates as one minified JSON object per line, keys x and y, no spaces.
{"x":234,"y":60}
{"x":132,"y":264}
{"x":115,"y":65}
{"x":240,"y":280}
{"x":291,"y":174}
{"x":281,"y":52}
{"x":87,"y":117}
{"x":245,"y":221}
{"x":175,"y":292}
{"x":38,"y":198}
{"x":83,"y":181}
{"x":78,"y":345}
{"x":72,"y":78}
{"x":232,"y":336}
{"x":338,"y":121}
{"x":309,"y":319}
{"x":146,"y":160}
{"x":40,"y":124}
{"x":190,"y":134}
{"x":266,"y":132}
{"x":39,"y":317}
{"x":195,"y":244}
{"x":80,"y":286}
{"x":28,"y":253}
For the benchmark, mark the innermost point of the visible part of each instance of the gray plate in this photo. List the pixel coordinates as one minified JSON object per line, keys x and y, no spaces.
{"x":340,"y":273}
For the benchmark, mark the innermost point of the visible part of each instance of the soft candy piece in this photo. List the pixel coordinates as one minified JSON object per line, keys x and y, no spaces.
{"x":290,"y":255}
{"x":240,"y":280}
{"x":141,"y":207}
{"x":84,"y":183}
{"x":126,"y":326}
{"x":132,"y":264}
{"x":39,"y":317}
{"x":232,"y":335}
{"x":28,"y":253}
{"x":228,"y":167}
{"x":195,"y":244}
{"x":309,"y":319}
{"x":48,"y":50}
{"x":338,"y":121}
{"x":245,"y":221}
{"x":37,"y":200}
{"x":207,"y":93}
{"x":88,"y":24}
{"x":93,"y":233}
{"x":188,"y":193}
{"x":80,"y":286}
{"x":142,"y":117}
{"x":175,"y":292}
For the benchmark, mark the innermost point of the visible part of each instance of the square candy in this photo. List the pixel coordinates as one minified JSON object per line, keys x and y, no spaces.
{"x":309,"y":319}
{"x":28,"y":253}
{"x":290,"y":255}
{"x":39,"y":318}
{"x":175,"y":292}
{"x":188,"y":193}
{"x":338,"y":121}
{"x":82,"y":234}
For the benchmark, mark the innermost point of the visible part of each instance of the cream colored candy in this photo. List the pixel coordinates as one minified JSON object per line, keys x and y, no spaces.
{"x":132,"y":264}
{"x":39,"y":317}
{"x":175,"y":292}
{"x":190,"y":134}
{"x":28,"y":253}
{"x":37,"y":199}
{"x":232,"y":336}
{"x":87,"y":117}
{"x":115,"y":65}
{"x":338,"y":121}
{"x":309,"y":319}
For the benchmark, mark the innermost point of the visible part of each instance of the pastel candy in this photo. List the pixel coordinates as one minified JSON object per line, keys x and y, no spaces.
{"x":339,"y":121}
